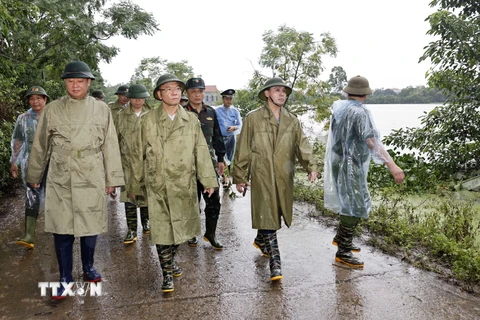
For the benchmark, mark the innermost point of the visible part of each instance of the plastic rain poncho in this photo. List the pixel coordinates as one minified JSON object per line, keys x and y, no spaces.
{"x":352,"y":141}
{"x":21,"y":144}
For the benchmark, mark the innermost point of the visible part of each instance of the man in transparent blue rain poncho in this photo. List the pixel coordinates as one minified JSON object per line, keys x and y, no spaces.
{"x":21,"y":144}
{"x":352,"y":141}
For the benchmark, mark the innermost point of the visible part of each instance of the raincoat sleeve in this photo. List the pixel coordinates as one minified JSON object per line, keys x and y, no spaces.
{"x":366,"y":128}
{"x":218,"y":143}
{"x":203,"y":161}
{"x":241,"y":160}
{"x":305,"y":153}
{"x":17,"y":143}
{"x":111,"y":156}
{"x":137,"y":178}
{"x":39,"y":154}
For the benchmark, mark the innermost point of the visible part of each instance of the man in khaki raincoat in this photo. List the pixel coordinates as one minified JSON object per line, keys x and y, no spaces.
{"x":270,"y":139}
{"x":76,"y":139}
{"x":127,"y":124}
{"x":176,"y":155}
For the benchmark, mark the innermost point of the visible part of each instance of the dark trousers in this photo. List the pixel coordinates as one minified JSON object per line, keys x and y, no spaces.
{"x":212,"y":204}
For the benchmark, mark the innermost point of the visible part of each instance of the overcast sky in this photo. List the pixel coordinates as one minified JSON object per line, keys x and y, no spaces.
{"x":381,"y":40}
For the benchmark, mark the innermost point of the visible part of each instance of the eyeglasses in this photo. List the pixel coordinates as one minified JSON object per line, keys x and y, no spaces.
{"x":170,"y":90}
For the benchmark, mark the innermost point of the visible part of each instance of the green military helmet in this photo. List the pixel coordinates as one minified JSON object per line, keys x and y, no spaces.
{"x":164,"y":79}
{"x":98,"y":94}
{"x":77,"y":69}
{"x":36,"y":90}
{"x":358,"y":86}
{"x":123,"y":89}
{"x":274,"y":82}
{"x":137,"y":91}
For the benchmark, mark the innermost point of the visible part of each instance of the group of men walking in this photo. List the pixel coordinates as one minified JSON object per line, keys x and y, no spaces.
{"x":165,"y":159}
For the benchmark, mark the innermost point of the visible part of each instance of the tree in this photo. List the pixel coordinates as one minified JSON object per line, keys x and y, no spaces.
{"x":338,"y":80}
{"x":297,"y":58}
{"x":449,"y":134}
{"x":37,"y":38}
{"x":150,"y":69}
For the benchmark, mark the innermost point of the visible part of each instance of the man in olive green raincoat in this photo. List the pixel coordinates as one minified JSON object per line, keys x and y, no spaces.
{"x":127,"y":124}
{"x":270,"y":139}
{"x":76,"y":139}
{"x":176,"y":155}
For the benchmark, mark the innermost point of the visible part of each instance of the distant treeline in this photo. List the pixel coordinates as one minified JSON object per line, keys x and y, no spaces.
{"x":409,"y":95}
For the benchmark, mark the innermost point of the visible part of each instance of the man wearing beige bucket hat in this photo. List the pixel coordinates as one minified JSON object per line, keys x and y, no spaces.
{"x":352,"y":141}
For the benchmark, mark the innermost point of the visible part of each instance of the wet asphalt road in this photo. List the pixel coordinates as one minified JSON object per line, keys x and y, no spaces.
{"x":229,"y":284}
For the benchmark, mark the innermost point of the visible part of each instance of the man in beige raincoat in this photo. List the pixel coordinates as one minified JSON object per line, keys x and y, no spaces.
{"x":176,"y":155}
{"x":127,"y":124}
{"x":76,"y":139}
{"x":270,"y":140}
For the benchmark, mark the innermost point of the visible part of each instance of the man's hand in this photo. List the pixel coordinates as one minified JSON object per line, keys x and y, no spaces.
{"x":231,"y":128}
{"x":131,"y":196}
{"x":396,"y":172}
{"x":210,"y":191}
{"x":109,"y":190}
{"x":35,"y":185}
{"x":14,"y":170}
{"x":312,"y":176}
{"x":242,"y":187}
{"x":221,"y":168}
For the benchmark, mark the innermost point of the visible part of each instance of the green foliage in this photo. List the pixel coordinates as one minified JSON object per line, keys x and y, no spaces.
{"x":38,"y":38}
{"x":409,"y":95}
{"x":150,"y":69}
{"x":6,"y":131}
{"x":338,"y":80}
{"x":420,"y":176}
{"x":297,"y":58}
{"x":447,"y":140}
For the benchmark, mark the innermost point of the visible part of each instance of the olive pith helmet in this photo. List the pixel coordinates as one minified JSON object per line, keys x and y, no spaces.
{"x":122,"y":90}
{"x":183,"y":97}
{"x":77,"y":69}
{"x":195,"y":83}
{"x":137,"y":91}
{"x":274,"y":82}
{"x":36,"y":90}
{"x":358,"y":86}
{"x":168,"y":77}
{"x":98,"y":94}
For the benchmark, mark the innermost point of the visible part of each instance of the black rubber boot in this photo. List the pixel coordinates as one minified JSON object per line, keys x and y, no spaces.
{"x":165,"y":255}
{"x":271,"y":244}
{"x":259,"y":243}
{"x":28,"y":241}
{"x":348,"y":241}
{"x":63,"y":249}
{"x":145,"y":220}
{"x":211,"y":227}
{"x":131,"y":215}
{"x":344,"y":254}
{"x":192,"y":242}
{"x":87,"y":248}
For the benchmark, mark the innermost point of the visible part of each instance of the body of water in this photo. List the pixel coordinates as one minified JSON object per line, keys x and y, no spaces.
{"x":387,"y":117}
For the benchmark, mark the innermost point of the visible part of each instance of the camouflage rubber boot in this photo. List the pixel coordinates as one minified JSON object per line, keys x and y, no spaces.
{"x":259,"y":243}
{"x":131,"y":215}
{"x":145,"y":221}
{"x":165,"y":255}
{"x":344,"y":254}
{"x":28,"y":240}
{"x":271,"y":244}
{"x":211,"y":227}
{"x":177,"y":271}
{"x":348,"y":241}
